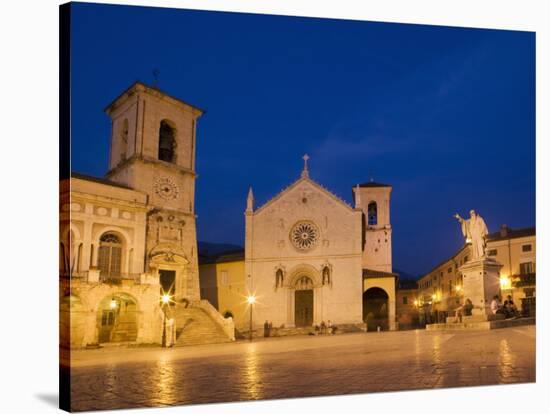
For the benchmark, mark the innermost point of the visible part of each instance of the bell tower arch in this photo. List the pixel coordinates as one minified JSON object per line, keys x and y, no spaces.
{"x":374,"y":200}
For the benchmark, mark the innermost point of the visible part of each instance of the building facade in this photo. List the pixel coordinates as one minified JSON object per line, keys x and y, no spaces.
{"x":130,"y":238}
{"x":441,"y":289}
{"x":223,"y":284}
{"x":310,"y":258}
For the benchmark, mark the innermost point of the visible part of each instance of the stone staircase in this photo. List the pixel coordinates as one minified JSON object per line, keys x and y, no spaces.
{"x":195,"y":326}
{"x":309,"y":330}
{"x":480,"y":325}
{"x":125,"y":329}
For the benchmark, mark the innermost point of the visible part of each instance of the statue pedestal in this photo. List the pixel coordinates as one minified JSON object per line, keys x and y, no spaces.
{"x":481,"y":282}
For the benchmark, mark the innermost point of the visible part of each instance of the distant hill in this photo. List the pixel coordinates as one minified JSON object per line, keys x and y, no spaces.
{"x":404,"y":275}
{"x":209,"y":249}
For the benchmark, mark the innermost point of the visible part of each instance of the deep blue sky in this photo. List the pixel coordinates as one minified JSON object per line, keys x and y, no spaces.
{"x":445,"y":115}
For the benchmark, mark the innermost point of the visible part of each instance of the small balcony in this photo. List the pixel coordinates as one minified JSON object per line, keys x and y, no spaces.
{"x":524,"y":280}
{"x":94,"y":275}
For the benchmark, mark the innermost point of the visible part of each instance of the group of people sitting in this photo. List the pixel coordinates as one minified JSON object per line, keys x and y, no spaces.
{"x":508,"y":308}
{"x":325,"y":328}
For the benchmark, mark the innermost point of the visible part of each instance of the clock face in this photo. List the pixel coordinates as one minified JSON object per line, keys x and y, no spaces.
{"x":166,"y":188}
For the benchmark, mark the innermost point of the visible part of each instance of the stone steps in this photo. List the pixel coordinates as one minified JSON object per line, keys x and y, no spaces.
{"x":195,"y":327}
{"x":486,"y":325}
{"x":307,"y":330}
{"x":125,"y":329}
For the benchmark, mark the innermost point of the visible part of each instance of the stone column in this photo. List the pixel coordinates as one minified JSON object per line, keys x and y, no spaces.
{"x":391,"y":314}
{"x":481,"y":281}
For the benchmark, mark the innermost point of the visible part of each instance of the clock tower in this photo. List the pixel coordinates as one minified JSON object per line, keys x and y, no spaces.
{"x":153,"y":141}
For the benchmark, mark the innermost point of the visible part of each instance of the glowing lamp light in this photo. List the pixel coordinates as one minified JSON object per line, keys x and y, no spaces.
{"x":458,"y":288}
{"x":415,"y":303}
{"x":251,"y":299}
{"x":165,"y":299}
{"x":113,"y":304}
{"x":505,"y":282}
{"x":434,"y":296}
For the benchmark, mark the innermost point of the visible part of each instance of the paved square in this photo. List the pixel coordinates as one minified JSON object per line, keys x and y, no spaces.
{"x":301,"y":367}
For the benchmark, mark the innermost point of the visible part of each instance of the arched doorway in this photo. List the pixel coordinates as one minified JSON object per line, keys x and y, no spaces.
{"x":303,"y":302}
{"x":375,"y":309}
{"x":117,"y":319}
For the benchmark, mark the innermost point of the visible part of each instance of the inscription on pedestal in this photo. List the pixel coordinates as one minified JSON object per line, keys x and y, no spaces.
{"x":481,"y":280}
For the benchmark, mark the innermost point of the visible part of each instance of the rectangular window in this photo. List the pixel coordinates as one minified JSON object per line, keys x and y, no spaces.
{"x":107,"y":319}
{"x":527,"y":268}
{"x":526,"y":248}
{"x":405,"y":300}
{"x":449,"y":270}
{"x":492,"y":252}
{"x":465,"y":259}
{"x":224,"y":279}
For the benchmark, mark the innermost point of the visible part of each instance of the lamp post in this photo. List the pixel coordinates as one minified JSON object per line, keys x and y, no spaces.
{"x":165,"y":299}
{"x":251,"y":300}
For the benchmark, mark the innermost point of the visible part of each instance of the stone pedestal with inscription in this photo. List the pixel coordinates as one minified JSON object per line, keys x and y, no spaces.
{"x":481,"y":282}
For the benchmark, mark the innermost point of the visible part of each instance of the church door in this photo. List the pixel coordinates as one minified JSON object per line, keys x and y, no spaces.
{"x":303,"y":311}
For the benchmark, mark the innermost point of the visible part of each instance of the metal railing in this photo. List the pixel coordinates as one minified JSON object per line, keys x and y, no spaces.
{"x":525,"y":279}
{"x":117,"y":279}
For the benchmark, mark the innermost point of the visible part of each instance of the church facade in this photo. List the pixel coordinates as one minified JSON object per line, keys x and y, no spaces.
{"x":311,"y":258}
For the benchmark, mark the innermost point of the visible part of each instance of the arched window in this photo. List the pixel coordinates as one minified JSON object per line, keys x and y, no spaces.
{"x":109,"y":255}
{"x":124,"y":140}
{"x":372,"y":214}
{"x":167,"y":142}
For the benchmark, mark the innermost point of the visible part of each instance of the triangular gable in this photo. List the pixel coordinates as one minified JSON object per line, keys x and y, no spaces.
{"x":315,"y":184}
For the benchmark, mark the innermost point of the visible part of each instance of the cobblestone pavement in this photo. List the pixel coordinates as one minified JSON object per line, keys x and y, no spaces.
{"x":300,"y":367}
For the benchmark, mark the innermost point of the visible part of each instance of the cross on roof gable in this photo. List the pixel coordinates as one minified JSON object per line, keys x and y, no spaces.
{"x":314,"y":184}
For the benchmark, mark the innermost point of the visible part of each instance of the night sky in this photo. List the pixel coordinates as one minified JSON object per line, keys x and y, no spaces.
{"x":444,"y":115}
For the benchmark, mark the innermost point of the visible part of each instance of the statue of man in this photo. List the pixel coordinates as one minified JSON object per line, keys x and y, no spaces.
{"x":474,"y":230}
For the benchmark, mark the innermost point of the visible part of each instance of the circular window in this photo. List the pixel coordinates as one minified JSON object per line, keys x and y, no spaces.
{"x":304,"y":235}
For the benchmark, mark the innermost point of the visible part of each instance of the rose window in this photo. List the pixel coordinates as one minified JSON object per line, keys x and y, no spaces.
{"x":304,"y":235}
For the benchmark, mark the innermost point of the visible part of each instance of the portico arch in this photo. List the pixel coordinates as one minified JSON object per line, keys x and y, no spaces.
{"x":376,"y":309}
{"x":117,"y":318}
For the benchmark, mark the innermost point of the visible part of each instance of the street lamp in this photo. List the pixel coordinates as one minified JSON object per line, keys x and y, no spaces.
{"x":251,"y":299}
{"x":165,"y":300}
{"x":113,"y":303}
{"x":505,"y":282}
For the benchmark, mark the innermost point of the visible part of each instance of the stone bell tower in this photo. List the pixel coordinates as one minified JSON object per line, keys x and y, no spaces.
{"x":153,"y":145}
{"x":374,"y":199}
